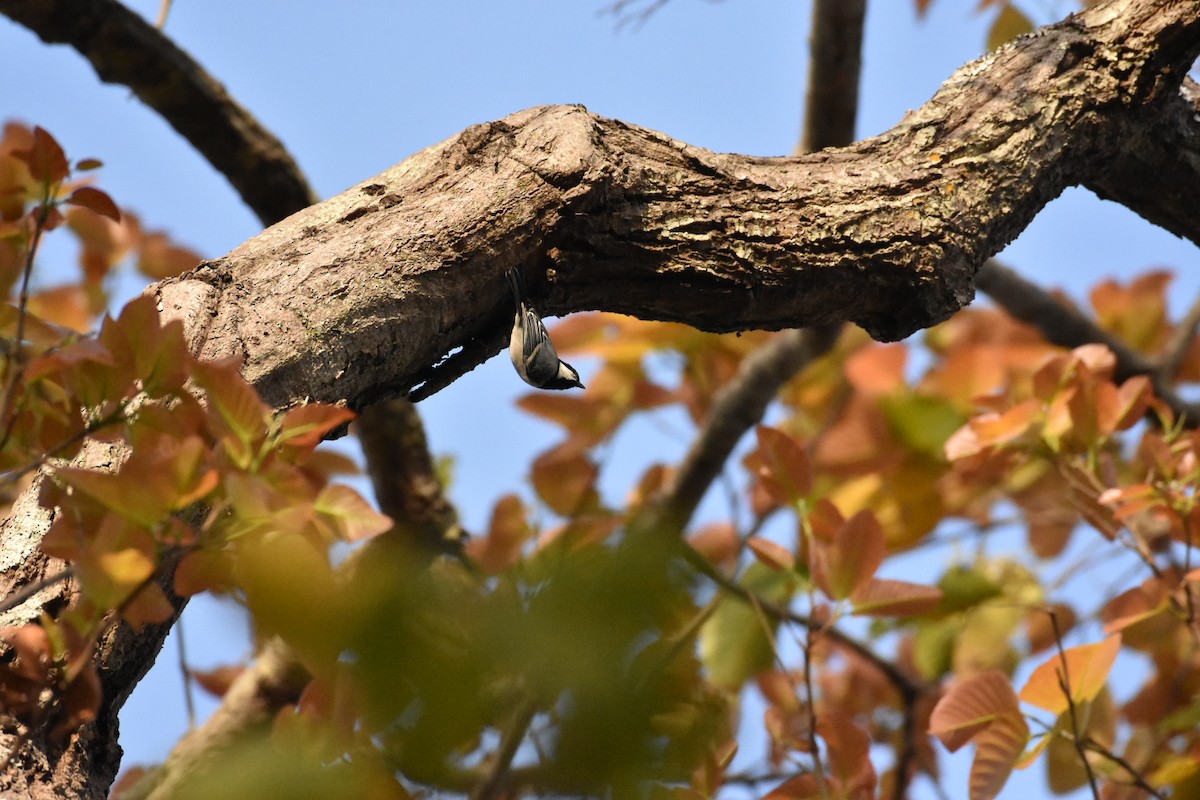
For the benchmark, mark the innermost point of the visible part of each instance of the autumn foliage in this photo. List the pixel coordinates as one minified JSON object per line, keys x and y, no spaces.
{"x":891,"y":577}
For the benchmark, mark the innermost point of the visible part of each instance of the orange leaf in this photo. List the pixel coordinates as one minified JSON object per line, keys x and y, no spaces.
{"x":877,"y":369}
{"x":234,"y":407}
{"x":1133,"y":400}
{"x":996,"y":751}
{"x":783,"y":466}
{"x":890,"y":598}
{"x":507,"y":534}
{"x":95,"y":200}
{"x":304,"y":427}
{"x":63,"y":305}
{"x":159,"y":257}
{"x":1085,"y":673}
{"x":1135,"y":605}
{"x":201,"y":571}
{"x":970,"y":706}
{"x":849,"y":752}
{"x":843,"y":565}
{"x":160,"y":353}
{"x":995,"y":429}
{"x":149,"y":606}
{"x":565,"y":480}
{"x":717,"y":541}
{"x":771,"y":554}
{"x":351,"y":516}
{"x":45,"y":158}
{"x":798,"y":787}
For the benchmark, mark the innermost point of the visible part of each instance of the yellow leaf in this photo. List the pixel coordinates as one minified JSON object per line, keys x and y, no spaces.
{"x":1010,"y":23}
{"x":1081,"y":670}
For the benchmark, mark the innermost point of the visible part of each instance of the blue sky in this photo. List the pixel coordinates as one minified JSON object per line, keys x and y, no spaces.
{"x":355,"y":88}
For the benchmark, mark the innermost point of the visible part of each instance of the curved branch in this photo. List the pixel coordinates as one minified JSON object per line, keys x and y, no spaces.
{"x":1156,"y":170}
{"x":123,"y":48}
{"x":386,"y":278}
{"x":405,"y":479}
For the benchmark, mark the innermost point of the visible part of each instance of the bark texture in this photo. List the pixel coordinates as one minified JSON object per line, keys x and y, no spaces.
{"x":352,"y":300}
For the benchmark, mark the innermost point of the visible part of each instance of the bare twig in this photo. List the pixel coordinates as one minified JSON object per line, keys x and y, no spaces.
{"x":492,"y":784}
{"x":126,"y":49}
{"x":16,"y":363}
{"x":618,"y":8}
{"x":1064,"y":683}
{"x":908,"y":687}
{"x":1135,"y":776}
{"x":811,"y":696}
{"x":185,"y":672}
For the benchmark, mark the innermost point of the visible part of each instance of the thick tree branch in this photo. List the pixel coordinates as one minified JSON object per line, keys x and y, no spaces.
{"x":123,"y":48}
{"x":383,"y":280}
{"x":405,"y":479}
{"x":1157,"y":169}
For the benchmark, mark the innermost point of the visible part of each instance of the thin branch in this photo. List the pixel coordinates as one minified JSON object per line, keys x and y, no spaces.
{"x":1064,"y":682}
{"x":492,"y":784}
{"x":1135,"y":776}
{"x":16,"y":363}
{"x":185,"y":673}
{"x":908,"y":688}
{"x":811,"y":696}
{"x":124,"y":48}
{"x":1066,"y":327}
{"x":618,"y":7}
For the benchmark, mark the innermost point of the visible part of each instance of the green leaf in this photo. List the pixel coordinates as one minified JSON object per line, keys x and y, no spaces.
{"x":921,"y":423}
{"x":965,"y":587}
{"x":735,"y":642}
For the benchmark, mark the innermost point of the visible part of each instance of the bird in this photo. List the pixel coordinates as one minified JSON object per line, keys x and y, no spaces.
{"x":533,"y":354}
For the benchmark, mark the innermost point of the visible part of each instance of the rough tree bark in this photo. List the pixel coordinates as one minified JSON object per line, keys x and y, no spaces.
{"x":352,"y":300}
